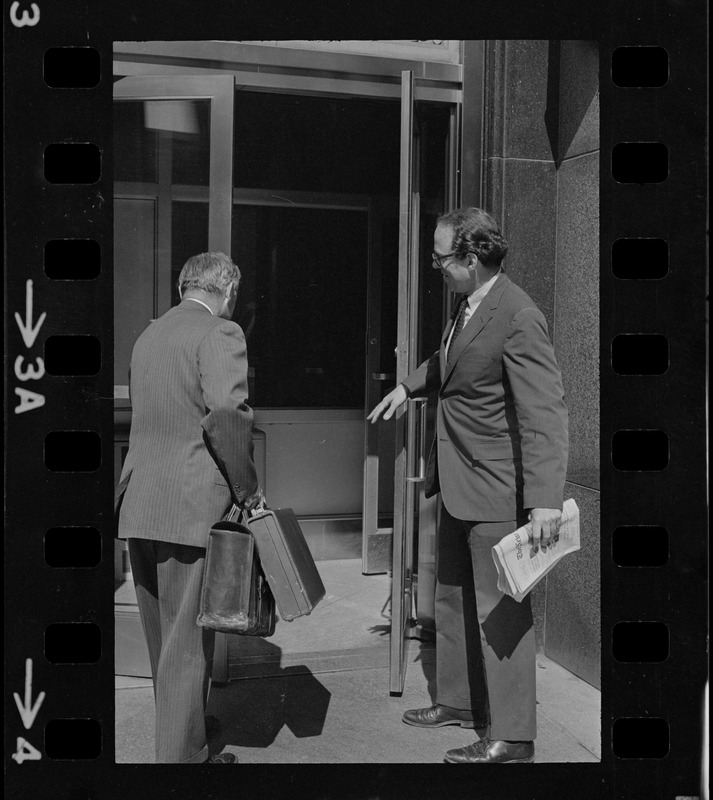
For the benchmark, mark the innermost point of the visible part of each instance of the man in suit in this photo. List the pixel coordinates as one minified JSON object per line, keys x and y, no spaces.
{"x":190,"y":457}
{"x":499,"y":459}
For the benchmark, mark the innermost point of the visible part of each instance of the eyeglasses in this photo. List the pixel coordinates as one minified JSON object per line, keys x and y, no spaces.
{"x":437,"y":260}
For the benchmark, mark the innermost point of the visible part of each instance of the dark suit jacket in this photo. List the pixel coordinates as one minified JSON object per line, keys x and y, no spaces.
{"x":501,"y":425}
{"x":190,"y":447}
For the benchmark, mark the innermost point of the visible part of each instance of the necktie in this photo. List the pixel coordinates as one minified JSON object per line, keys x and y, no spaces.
{"x":460,"y":324}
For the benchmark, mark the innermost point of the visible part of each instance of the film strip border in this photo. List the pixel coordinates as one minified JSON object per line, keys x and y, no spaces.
{"x":59,"y":397}
{"x":654,"y":509}
{"x":60,"y":421}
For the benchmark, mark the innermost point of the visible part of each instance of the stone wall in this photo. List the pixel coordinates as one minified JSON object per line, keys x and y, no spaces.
{"x":541,"y":179}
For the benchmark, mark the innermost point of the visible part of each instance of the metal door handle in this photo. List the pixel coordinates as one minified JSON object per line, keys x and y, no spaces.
{"x":416,"y":441}
{"x":383,"y":376}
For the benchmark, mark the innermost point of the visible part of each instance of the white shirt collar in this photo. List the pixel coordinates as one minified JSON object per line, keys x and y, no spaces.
{"x":195,"y":300}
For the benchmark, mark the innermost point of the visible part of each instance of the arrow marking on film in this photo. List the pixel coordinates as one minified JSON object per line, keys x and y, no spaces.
{"x":28,"y":712}
{"x":28,"y":331}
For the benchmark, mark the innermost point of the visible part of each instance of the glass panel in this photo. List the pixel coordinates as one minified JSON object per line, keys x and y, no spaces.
{"x":305,"y":350}
{"x":135,"y":145}
{"x":302,"y":304}
{"x":433,"y":128}
{"x":389,"y":297}
{"x":316,"y":143}
{"x":135,"y":234}
{"x":191,"y":148}
{"x":189,"y":236}
{"x":157,"y":144}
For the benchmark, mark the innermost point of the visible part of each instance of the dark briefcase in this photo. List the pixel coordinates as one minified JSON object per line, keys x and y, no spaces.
{"x":235,"y":597}
{"x":287,"y":562}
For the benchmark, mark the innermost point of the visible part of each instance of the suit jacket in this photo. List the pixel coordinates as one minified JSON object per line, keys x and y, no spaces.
{"x":190,"y":447}
{"x":501,"y":425}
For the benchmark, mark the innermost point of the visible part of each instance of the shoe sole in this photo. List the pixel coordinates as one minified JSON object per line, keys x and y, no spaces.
{"x":511,"y":761}
{"x":463,"y":723}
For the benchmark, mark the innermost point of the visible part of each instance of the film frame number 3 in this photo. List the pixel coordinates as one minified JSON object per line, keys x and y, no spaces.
{"x":25,"y":18}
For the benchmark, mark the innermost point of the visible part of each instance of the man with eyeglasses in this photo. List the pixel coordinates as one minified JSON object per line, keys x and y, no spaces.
{"x":499,"y":460}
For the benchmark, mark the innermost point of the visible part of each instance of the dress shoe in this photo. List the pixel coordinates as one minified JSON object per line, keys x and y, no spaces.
{"x":487,"y":751}
{"x":438,"y":716}
{"x":222,"y":758}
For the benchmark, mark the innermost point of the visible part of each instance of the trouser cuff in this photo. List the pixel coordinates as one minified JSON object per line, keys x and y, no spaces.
{"x":198,"y":758}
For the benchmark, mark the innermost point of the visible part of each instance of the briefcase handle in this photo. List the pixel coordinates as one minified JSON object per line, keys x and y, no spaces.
{"x":233,"y":513}
{"x":237,"y":511}
{"x":244,"y":514}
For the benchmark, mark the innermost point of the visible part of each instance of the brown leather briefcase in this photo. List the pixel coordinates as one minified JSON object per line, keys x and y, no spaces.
{"x":286,"y":560}
{"x":235,"y":597}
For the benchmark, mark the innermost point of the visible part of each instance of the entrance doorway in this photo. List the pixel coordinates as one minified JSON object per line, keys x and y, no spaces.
{"x":313,"y":216}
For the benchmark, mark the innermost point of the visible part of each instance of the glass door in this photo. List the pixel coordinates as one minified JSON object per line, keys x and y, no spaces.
{"x":172,"y":136}
{"x":429,"y":139}
{"x":380,"y":376}
{"x":409,"y":417}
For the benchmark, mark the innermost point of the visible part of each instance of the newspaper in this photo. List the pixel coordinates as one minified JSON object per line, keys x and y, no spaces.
{"x":519,"y":569}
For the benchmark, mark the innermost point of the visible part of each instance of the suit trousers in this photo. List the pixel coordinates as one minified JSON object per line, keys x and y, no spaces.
{"x":168,"y":579}
{"x":485,"y":640}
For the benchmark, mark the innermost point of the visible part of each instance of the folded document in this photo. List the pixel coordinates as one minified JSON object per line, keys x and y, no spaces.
{"x":519,"y":569}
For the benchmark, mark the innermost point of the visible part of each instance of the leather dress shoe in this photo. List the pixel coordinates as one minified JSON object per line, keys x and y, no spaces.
{"x":437,"y":716}
{"x":487,"y":751}
{"x":222,"y":758}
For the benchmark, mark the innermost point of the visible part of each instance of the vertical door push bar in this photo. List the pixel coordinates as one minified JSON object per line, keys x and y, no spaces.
{"x":416,"y":433}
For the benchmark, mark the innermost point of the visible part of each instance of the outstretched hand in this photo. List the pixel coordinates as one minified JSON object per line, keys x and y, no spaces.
{"x":388,"y":406}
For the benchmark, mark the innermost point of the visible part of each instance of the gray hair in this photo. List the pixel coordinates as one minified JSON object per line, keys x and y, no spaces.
{"x":208,"y":272}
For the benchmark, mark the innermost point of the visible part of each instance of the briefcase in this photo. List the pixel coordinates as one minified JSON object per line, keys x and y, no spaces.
{"x":286,"y":560}
{"x":235,"y":597}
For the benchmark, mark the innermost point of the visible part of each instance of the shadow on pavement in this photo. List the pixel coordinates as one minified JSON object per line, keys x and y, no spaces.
{"x":252,"y":712}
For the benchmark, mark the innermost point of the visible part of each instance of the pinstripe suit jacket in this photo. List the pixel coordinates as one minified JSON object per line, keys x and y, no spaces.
{"x":190,"y":447}
{"x":501,"y":424}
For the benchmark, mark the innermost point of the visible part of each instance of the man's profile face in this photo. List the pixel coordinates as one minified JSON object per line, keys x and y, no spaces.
{"x":457,"y":273}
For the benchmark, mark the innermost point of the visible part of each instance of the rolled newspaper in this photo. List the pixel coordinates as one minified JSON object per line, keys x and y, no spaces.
{"x":519,"y":569}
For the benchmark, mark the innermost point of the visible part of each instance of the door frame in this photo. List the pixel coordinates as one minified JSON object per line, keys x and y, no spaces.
{"x":219,"y":90}
{"x":294,"y":70}
{"x":404,"y":484}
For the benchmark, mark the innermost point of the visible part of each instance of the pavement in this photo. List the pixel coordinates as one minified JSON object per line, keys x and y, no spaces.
{"x":317,"y":692}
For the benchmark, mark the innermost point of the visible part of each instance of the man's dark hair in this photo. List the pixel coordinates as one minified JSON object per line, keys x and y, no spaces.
{"x":208,"y":272}
{"x":476,"y":232}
